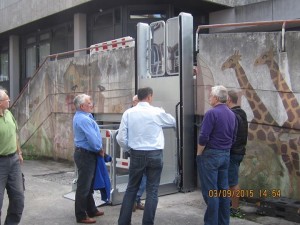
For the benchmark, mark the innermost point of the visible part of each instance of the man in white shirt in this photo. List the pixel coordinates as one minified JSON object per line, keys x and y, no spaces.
{"x":141,"y":133}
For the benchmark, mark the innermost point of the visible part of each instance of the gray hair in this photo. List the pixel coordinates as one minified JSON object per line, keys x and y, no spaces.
{"x":135,"y":98}
{"x":3,"y":93}
{"x":220,"y":92}
{"x":80,"y":99}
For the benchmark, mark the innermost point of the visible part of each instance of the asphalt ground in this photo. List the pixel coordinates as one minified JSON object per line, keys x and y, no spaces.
{"x":48,"y":181}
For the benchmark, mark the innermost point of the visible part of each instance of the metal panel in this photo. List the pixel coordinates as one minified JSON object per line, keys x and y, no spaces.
{"x":187,"y":102}
{"x":178,"y":90}
{"x":166,"y":95}
{"x":143,"y":30}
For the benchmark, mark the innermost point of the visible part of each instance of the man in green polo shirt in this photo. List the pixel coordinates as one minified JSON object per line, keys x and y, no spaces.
{"x":10,"y":164}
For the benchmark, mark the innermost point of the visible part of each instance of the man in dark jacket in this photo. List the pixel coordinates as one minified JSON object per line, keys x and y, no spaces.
{"x":237,"y":151}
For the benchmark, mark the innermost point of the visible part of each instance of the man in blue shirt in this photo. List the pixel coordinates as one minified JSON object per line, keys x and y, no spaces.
{"x":217,"y":135}
{"x":141,"y":132}
{"x":88,"y":144}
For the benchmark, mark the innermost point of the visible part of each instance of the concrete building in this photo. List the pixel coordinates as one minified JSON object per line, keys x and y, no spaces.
{"x":30,"y":30}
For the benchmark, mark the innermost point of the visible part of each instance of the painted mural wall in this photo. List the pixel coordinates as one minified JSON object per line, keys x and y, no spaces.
{"x":45,"y":109}
{"x":268,"y":81}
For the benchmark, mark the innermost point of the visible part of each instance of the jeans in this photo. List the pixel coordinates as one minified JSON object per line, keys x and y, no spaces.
{"x":213,"y":173}
{"x":84,"y":201}
{"x":151,"y":163}
{"x":141,"y":189}
{"x":11,"y":179}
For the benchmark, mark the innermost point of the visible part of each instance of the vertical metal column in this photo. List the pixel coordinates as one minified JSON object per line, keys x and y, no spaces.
{"x":187,"y":102}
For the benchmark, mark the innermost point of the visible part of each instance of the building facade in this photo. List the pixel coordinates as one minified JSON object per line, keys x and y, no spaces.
{"x":30,"y":30}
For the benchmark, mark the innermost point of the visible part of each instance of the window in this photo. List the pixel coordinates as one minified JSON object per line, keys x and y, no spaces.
{"x":44,"y":51}
{"x":105,"y":26}
{"x":3,"y":66}
{"x":157,"y":50}
{"x":30,"y":61}
{"x":143,"y":14}
{"x":62,"y":39}
{"x":37,"y":48}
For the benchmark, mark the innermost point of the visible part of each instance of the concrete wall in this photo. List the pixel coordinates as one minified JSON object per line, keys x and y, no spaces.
{"x":268,"y":83}
{"x":262,"y":11}
{"x":45,"y":109}
{"x":15,"y":13}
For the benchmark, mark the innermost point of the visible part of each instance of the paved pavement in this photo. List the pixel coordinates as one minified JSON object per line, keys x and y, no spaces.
{"x":48,"y":181}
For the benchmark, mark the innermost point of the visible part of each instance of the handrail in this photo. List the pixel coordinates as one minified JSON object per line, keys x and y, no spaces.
{"x":259,"y":23}
{"x":62,"y":54}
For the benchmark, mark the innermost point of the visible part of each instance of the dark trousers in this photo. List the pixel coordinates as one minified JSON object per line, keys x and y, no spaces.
{"x":84,"y":201}
{"x":151,"y":164}
{"x":11,"y":180}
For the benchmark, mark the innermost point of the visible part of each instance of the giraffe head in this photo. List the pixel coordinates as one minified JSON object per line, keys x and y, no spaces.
{"x":265,"y":58}
{"x":232,"y":61}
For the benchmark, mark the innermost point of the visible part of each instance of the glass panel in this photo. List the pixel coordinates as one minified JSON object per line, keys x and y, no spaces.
{"x":3,"y":66}
{"x":146,"y":14}
{"x":157,"y":49}
{"x":172,"y":42}
{"x":117,"y":16}
{"x":45,"y":36}
{"x":59,"y":40}
{"x":104,"y":20}
{"x":44,"y":52}
{"x":30,"y":40}
{"x":30,"y":61}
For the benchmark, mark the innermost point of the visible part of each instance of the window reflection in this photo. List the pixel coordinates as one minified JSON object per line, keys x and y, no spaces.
{"x":172,"y":42}
{"x":30,"y":61}
{"x":4,"y":66}
{"x":157,"y":52}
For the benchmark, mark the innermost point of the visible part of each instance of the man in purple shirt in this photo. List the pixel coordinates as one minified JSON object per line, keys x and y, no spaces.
{"x":217,"y":135}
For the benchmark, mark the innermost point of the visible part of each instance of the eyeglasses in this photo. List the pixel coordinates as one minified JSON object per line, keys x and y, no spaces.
{"x":5,"y":100}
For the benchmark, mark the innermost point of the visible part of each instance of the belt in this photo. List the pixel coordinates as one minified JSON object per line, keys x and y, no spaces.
{"x":85,"y":151}
{"x":7,"y":156}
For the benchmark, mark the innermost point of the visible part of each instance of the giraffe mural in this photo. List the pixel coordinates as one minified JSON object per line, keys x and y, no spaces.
{"x":287,"y":96}
{"x":260,"y":112}
{"x":263,"y":126}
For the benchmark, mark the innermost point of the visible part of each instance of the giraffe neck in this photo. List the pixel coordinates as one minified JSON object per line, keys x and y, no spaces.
{"x":288,"y":98}
{"x":277,"y":78}
{"x":242,"y":78}
{"x":260,"y":112}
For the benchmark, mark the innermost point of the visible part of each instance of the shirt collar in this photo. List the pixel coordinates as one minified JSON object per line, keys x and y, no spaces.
{"x":143,"y":104}
{"x":4,"y":112}
{"x":85,"y":113}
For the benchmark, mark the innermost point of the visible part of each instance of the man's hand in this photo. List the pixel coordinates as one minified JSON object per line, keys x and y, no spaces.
{"x":200,"y":149}
{"x":20,"y":157}
{"x":101,"y":153}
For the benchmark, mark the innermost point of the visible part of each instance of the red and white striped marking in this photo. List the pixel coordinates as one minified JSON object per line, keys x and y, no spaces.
{"x":124,"y":42}
{"x":122,"y":163}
